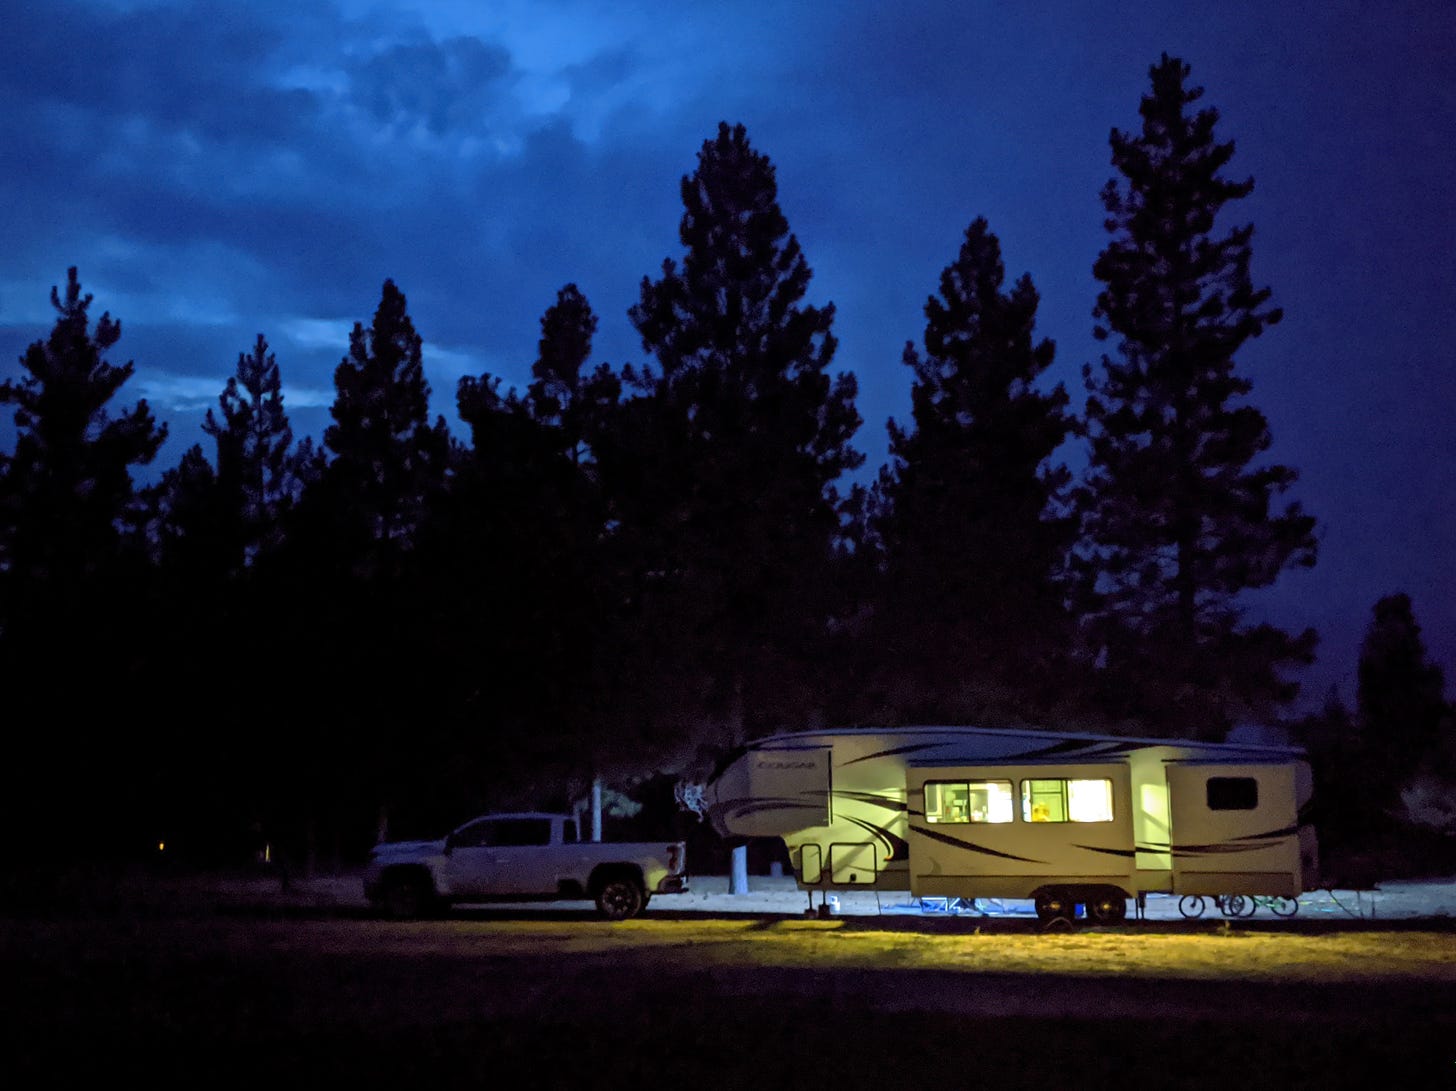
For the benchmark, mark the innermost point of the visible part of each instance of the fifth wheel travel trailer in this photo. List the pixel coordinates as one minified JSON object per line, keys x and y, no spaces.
{"x":1061,"y":819}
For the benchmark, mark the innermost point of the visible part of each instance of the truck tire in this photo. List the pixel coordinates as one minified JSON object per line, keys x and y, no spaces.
{"x":406,"y":897}
{"x":620,"y":898}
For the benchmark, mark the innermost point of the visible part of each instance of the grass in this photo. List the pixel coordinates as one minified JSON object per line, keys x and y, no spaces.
{"x":247,"y":1000}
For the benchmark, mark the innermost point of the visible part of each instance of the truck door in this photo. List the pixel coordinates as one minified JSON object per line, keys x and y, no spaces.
{"x":1235,"y":829}
{"x":500,"y":856}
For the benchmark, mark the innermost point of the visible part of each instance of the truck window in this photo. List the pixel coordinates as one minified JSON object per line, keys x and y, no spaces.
{"x":568,"y":832}
{"x":516,"y":832}
{"x":471,"y":836}
{"x":1233,"y":793}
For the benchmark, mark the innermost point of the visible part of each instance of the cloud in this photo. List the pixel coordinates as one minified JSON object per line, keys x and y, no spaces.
{"x":458,"y":85}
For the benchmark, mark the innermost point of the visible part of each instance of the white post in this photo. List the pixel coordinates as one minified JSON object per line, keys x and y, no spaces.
{"x":596,"y":808}
{"x":738,"y":875}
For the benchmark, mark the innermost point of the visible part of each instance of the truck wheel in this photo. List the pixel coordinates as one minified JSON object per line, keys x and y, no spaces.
{"x":619,"y":899}
{"x":405,"y":898}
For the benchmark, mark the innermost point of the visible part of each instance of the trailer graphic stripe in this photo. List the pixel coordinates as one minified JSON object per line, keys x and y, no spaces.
{"x":1219,"y":850}
{"x":1125,"y":853}
{"x":899,"y":848}
{"x":946,"y":839}
{"x":739,"y":808}
{"x":912,"y":748}
{"x":1287,"y":831}
{"x":887,"y":802}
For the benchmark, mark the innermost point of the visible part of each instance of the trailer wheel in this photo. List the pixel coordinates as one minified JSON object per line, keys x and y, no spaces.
{"x":1053,"y":903}
{"x":619,"y":899}
{"x":1107,"y":905}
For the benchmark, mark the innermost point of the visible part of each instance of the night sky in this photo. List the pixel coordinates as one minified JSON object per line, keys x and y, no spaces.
{"x":220,"y":170}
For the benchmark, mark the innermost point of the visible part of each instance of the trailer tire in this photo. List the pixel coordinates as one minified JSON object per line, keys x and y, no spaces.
{"x":1107,"y":905}
{"x":1054,"y":903}
{"x":620,"y":898}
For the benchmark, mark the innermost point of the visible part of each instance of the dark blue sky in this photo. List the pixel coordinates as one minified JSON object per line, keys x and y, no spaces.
{"x":217,"y":170}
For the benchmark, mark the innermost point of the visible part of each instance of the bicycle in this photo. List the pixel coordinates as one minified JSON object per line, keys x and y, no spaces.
{"x":1279,"y":905}
{"x":1191,"y":906}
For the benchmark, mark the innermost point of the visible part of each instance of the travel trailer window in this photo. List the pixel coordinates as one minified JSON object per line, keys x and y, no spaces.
{"x":1083,"y":800}
{"x":968,"y":801}
{"x":1233,"y":793}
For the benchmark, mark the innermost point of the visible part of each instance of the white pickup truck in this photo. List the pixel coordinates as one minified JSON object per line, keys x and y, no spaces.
{"x":518,"y":858}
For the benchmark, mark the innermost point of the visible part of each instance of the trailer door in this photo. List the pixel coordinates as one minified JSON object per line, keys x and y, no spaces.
{"x":1235,"y":828}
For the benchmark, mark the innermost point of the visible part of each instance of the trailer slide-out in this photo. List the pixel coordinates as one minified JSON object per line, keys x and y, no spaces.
{"x":1062,"y":819}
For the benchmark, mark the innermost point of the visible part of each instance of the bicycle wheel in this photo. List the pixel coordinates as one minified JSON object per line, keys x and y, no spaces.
{"x":1284,"y":907}
{"x":1236,"y":905}
{"x":1191,"y":906}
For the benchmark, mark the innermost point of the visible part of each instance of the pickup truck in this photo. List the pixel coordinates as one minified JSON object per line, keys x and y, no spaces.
{"x":517,"y":858}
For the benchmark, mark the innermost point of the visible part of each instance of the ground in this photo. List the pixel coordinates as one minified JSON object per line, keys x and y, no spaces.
{"x":241,"y":983}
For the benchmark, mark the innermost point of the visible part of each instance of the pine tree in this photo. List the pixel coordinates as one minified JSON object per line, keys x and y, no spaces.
{"x":970,"y":512}
{"x":1179,"y":513}
{"x":235,"y":513}
{"x":1404,"y":720}
{"x":740,"y":434}
{"x":256,"y":461}
{"x":74,"y":625}
{"x":526,"y":500}
{"x":390,"y":462}
{"x":66,"y":494}
{"x":560,"y":396}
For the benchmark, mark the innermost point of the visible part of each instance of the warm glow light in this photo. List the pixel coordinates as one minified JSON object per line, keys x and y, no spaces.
{"x":161,"y":846}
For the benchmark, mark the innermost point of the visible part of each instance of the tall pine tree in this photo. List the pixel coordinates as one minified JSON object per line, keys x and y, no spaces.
{"x":73,"y":622}
{"x":1180,"y":513}
{"x":970,"y":513}
{"x":1404,"y":720}
{"x":741,"y":434}
{"x":527,"y":500}
{"x":358,"y":589}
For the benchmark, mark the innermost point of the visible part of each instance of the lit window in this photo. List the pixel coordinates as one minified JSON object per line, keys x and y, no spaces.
{"x":947,"y":801}
{"x":980,"y":801}
{"x":1088,"y":800}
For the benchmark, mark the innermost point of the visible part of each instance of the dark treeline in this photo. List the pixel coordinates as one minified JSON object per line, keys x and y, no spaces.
{"x":618,"y":571}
